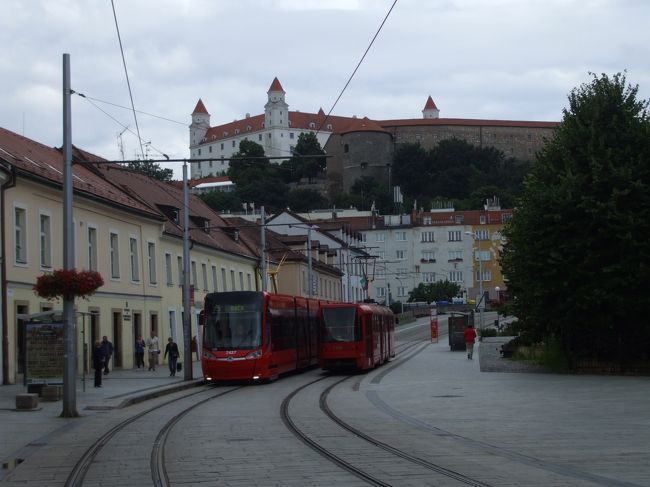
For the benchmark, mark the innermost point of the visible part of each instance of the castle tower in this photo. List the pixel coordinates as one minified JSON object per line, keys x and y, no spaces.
{"x":430,"y":109}
{"x":276,"y":118}
{"x":200,"y":124}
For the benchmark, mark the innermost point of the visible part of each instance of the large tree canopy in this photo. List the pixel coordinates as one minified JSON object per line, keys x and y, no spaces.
{"x":152,"y":169}
{"x":308,"y":160}
{"x":577,"y":259}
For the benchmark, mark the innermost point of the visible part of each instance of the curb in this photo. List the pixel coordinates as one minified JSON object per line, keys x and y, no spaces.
{"x":160,"y":392}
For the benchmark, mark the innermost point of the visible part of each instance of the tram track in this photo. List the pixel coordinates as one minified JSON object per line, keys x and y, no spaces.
{"x":363,"y":473}
{"x":159,"y":475}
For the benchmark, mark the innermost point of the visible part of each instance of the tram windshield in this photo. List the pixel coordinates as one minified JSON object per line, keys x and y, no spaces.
{"x":339,"y":324}
{"x":233,"y":322}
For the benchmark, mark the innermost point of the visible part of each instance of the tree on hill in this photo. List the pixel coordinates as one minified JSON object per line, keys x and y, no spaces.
{"x":301,"y":166}
{"x":152,"y":169}
{"x":255,"y":178}
{"x":576,"y":257}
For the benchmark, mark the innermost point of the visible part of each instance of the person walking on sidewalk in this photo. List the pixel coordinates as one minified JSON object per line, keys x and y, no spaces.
{"x":139,"y":351}
{"x":154,"y":350}
{"x":470,"y":338}
{"x":98,"y":362}
{"x":172,"y":350}
{"x":108,"y":353}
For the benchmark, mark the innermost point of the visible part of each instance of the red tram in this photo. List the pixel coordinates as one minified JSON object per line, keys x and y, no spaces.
{"x":356,"y":336}
{"x":250,"y":335}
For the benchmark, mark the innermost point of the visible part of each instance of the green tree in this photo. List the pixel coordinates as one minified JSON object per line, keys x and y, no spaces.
{"x":410,"y":159}
{"x":435,"y":291}
{"x":308,"y":160}
{"x":303,"y":200}
{"x":152,"y":169}
{"x":222,"y":201}
{"x":576,"y":256}
{"x":256,"y":179}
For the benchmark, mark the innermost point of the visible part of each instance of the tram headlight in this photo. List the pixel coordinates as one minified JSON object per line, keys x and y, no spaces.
{"x":253,"y":355}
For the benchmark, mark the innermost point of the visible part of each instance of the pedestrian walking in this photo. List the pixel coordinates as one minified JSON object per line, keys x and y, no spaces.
{"x":139,"y":351}
{"x":470,"y":337}
{"x":154,"y":350}
{"x":98,"y":362}
{"x":108,"y":353}
{"x":195,"y":347}
{"x":172,"y":350}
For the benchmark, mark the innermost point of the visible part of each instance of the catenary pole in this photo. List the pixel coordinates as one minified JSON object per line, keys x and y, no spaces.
{"x":187,"y":306}
{"x":263,"y":250}
{"x":69,"y":325}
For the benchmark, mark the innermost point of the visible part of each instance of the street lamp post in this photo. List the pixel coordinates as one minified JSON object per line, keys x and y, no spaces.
{"x":480,"y":280}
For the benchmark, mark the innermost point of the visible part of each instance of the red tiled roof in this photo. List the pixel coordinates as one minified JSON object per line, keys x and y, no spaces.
{"x":466,"y":121}
{"x":430,"y":105}
{"x":359,"y":125}
{"x":275,"y":86}
{"x":36,"y":160}
{"x":211,"y":179}
{"x":200,"y":108}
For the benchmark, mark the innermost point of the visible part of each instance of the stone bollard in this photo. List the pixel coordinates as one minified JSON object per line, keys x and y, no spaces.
{"x":52,"y":393}
{"x":26,"y":401}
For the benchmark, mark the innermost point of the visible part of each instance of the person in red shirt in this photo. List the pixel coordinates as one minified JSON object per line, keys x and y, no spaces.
{"x":470,"y":338}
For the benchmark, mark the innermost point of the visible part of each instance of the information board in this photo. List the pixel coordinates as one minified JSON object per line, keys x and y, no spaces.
{"x":44,"y":353}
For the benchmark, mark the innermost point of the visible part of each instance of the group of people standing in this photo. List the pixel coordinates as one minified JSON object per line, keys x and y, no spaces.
{"x":103,"y":351}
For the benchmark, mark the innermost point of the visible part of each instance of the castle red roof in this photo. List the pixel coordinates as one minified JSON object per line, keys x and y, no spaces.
{"x":430,"y":105}
{"x":275,"y":86}
{"x":200,"y":108}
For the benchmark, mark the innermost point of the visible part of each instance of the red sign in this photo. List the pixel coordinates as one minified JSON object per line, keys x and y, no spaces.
{"x":434,"y":325}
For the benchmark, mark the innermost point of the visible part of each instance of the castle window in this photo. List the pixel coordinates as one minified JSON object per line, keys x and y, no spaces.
{"x":291,"y":135}
{"x":225,"y":134}
{"x":312,"y":125}
{"x":346,"y":148}
{"x":236,"y":131}
{"x":329,"y":126}
{"x":222,"y":146}
{"x":269,"y":136}
{"x":199,"y":151}
{"x":210,"y":149}
{"x":233,"y":143}
{"x":259,"y":137}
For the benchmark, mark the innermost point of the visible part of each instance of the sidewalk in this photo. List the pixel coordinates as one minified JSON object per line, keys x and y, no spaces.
{"x":120,"y":388}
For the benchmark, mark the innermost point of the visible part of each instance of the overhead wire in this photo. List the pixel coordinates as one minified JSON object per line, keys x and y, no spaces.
{"x":357,"y":68}
{"x":126,"y":72}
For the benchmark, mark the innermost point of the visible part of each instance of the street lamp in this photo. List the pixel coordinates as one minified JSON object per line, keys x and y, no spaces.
{"x":480,"y":280}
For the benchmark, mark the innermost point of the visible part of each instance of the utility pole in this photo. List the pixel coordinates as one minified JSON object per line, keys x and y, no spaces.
{"x":187,"y":306}
{"x":263,"y":241}
{"x":69,"y":324}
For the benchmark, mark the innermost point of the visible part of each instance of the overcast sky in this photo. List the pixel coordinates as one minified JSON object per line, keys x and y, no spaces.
{"x":495,"y":59}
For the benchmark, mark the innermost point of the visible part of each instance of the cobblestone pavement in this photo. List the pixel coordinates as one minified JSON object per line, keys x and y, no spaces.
{"x":502,"y":429}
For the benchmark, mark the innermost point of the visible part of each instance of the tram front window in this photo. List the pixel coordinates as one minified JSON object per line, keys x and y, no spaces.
{"x":232,"y":328}
{"x":339,"y":325}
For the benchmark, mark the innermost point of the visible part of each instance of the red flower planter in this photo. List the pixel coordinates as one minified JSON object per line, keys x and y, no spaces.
{"x":68,"y":283}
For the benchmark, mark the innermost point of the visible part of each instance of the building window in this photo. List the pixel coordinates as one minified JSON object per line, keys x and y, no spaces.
{"x":133,"y":259}
{"x":400,"y":254}
{"x":380,"y":274}
{"x":426,"y":220}
{"x":250,"y":282}
{"x":168,"y":269}
{"x":20,"y":235}
{"x":482,"y":219}
{"x":485,"y":275}
{"x":204,"y":273}
{"x":151,"y":256}
{"x":222,"y":146}
{"x":233,"y":143}
{"x":232,"y":280}
{"x":400,"y":236}
{"x":428,"y":277}
{"x":401,"y":291}
{"x":506,"y":217}
{"x":114,"y":252}
{"x":46,"y":241}
{"x":455,"y":255}
{"x":381,"y":292}
{"x":179,"y":265}
{"x":210,"y":151}
{"x":259,"y":137}
{"x":483,"y":255}
{"x":381,"y":254}
{"x":380,"y":237}
{"x":459,"y":219}
{"x":455,"y":236}
{"x":291,"y":135}
{"x":427,"y":237}
{"x":199,"y":151}
{"x":223,"y":279}
{"x":483,"y":234}
{"x":241,"y":280}
{"x":346,"y":148}
{"x":92,"y":248}
{"x":195,"y":278}
{"x":214,"y":278}
{"x":429,"y":255}
{"x":456,"y":276}
{"x":402,"y":272}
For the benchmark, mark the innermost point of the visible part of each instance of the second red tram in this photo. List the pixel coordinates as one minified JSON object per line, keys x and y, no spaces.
{"x":356,"y":336}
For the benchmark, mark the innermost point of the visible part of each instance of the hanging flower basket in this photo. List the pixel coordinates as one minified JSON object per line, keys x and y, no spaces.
{"x":68,"y":284}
